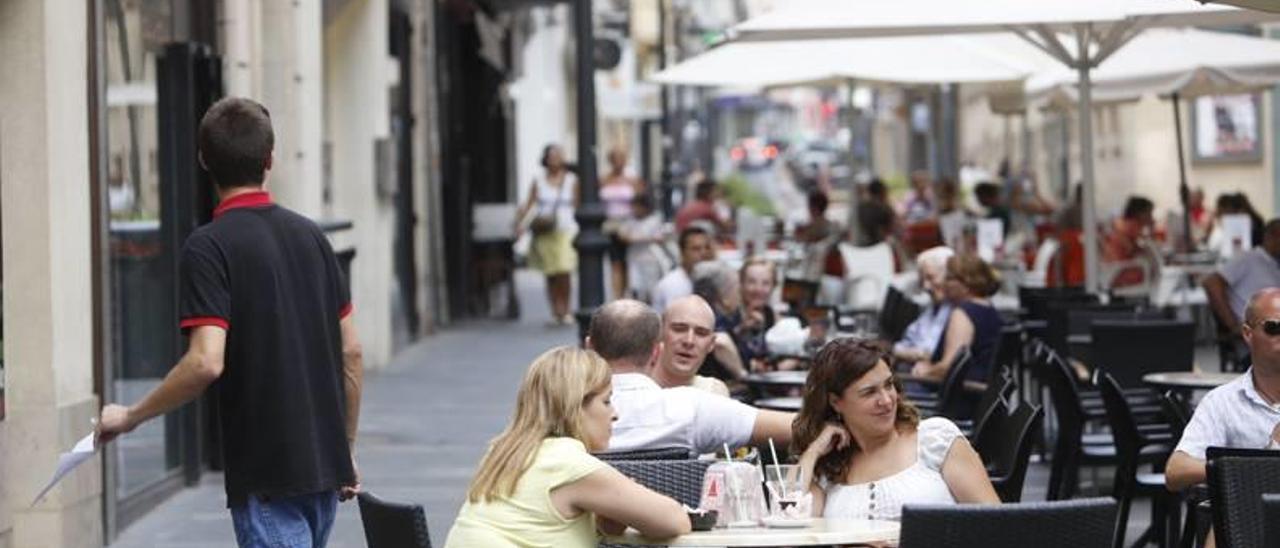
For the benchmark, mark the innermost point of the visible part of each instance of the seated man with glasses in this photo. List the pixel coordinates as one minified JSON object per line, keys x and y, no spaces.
{"x":1244,"y":413}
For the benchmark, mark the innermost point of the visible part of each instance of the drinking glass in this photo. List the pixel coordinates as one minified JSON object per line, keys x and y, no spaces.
{"x":788,"y":491}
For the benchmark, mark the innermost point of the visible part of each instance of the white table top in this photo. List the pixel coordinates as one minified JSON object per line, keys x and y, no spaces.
{"x":1189,"y":379}
{"x":821,"y":532}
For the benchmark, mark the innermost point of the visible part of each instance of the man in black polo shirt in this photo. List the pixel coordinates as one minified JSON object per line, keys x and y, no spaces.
{"x":269,"y":319}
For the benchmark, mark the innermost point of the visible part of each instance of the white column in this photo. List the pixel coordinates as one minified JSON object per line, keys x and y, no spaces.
{"x":242,"y":37}
{"x":356,"y":75}
{"x":44,"y":192}
{"x":292,"y":88}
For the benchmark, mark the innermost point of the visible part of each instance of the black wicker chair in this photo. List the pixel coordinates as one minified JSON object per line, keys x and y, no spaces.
{"x":678,"y":479}
{"x":392,"y":525}
{"x":1130,"y":349}
{"x":1129,"y":482}
{"x":897,"y":314}
{"x":1062,"y":524}
{"x":657,"y":453}
{"x":1271,"y":513}
{"x":1237,"y":480}
{"x":1009,"y":454}
{"x":951,"y":400}
{"x":988,"y":413}
{"x":1073,"y":448}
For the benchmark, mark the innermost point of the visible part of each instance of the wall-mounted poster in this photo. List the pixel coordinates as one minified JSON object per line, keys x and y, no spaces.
{"x":1227,"y":128}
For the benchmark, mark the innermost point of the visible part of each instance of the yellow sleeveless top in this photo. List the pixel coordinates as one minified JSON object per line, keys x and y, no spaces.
{"x":527,"y":519}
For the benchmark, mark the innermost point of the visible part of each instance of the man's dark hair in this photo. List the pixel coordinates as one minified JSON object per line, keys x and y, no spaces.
{"x":689,"y":233}
{"x":986,"y":192}
{"x":643,"y":199}
{"x":236,"y":142}
{"x":625,"y":330}
{"x":1272,"y":226}
{"x":818,"y":201}
{"x":876,"y":188}
{"x":1136,"y":206}
{"x":704,"y":190}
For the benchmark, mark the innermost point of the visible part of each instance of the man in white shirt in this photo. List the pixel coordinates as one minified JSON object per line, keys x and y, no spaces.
{"x":626,"y":333}
{"x":688,"y":337}
{"x":1244,"y":413}
{"x":922,"y":336}
{"x":695,"y":246}
{"x":1229,"y":289}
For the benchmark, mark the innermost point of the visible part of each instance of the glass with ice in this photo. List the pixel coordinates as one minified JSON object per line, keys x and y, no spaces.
{"x":788,"y":492}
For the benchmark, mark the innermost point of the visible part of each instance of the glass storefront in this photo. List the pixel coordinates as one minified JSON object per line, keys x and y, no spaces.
{"x":141,"y":297}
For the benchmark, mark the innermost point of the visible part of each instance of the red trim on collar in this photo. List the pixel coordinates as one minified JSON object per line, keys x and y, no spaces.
{"x":257,"y":198}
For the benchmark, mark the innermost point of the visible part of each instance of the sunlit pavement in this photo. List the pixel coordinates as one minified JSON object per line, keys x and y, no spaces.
{"x":424,"y":425}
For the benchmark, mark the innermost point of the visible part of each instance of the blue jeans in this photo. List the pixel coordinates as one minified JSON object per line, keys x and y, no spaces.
{"x":301,"y":521}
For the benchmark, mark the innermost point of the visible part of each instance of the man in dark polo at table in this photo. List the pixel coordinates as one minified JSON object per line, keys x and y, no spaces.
{"x":269,"y":319}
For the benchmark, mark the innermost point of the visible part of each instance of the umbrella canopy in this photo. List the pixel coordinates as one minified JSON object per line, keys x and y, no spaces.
{"x":1272,"y":6}
{"x":824,"y":19}
{"x":899,"y":60}
{"x":1189,"y":62}
{"x":1100,"y":28}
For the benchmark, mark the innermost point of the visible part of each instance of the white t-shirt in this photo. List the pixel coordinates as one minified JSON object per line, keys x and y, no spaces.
{"x":1231,"y":415}
{"x":674,"y":285}
{"x":1248,"y":273}
{"x":652,"y":417}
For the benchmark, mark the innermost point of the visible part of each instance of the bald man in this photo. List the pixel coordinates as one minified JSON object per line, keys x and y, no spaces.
{"x":1244,"y":413}
{"x":688,"y":336}
{"x":627,"y":334}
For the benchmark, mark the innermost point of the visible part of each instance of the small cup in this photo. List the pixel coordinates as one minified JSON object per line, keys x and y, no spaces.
{"x":703,"y":521}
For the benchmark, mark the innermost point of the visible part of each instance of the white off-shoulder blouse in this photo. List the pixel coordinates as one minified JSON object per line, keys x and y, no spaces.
{"x":921,"y":483}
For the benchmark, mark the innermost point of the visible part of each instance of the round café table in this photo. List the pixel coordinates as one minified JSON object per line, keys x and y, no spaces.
{"x":821,"y":532}
{"x":1188,"y":380}
{"x":776,"y":379}
{"x":780,"y":403}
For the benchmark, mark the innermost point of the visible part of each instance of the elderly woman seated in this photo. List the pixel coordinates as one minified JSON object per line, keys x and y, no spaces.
{"x":974,"y":322}
{"x":864,"y":450}
{"x":718,"y":284}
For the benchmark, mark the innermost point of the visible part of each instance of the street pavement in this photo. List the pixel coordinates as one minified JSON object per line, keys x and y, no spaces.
{"x":424,"y":425}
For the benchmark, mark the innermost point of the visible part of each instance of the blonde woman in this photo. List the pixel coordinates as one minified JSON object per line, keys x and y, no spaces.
{"x":539,"y":486}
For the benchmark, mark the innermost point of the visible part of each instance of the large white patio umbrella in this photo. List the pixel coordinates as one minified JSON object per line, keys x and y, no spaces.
{"x":1272,"y":6}
{"x":1100,"y":28}
{"x":899,"y":60}
{"x":1178,"y":64}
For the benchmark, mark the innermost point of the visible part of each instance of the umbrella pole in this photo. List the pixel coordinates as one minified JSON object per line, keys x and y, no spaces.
{"x":854,"y":229}
{"x":1183,"y":190}
{"x":1085,"y":112}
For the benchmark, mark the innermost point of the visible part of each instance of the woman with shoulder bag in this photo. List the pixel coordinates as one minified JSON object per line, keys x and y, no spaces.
{"x":555,"y":196}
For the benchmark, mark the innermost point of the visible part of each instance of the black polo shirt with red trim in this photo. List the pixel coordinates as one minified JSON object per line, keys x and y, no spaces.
{"x":269,"y":277}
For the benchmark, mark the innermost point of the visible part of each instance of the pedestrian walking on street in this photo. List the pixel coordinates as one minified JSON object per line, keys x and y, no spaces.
{"x":554,"y":197}
{"x":269,"y":319}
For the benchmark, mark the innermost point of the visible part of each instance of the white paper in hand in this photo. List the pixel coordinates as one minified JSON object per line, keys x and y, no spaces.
{"x":67,"y":462}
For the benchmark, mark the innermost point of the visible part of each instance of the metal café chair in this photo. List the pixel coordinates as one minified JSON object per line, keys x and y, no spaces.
{"x":1060,"y":524}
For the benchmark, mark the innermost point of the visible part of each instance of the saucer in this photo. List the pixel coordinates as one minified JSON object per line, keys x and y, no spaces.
{"x":787,"y":523}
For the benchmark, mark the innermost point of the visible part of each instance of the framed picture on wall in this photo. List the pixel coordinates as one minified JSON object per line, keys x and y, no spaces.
{"x":1227,"y":128}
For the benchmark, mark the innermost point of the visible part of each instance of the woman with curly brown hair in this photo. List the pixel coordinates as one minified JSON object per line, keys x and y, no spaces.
{"x":865,"y":450}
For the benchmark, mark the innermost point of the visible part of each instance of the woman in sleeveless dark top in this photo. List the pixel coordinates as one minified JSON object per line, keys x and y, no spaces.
{"x":974,"y":322}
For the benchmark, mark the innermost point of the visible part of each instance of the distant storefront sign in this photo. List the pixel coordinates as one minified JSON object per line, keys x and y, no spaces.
{"x":1227,"y":128}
